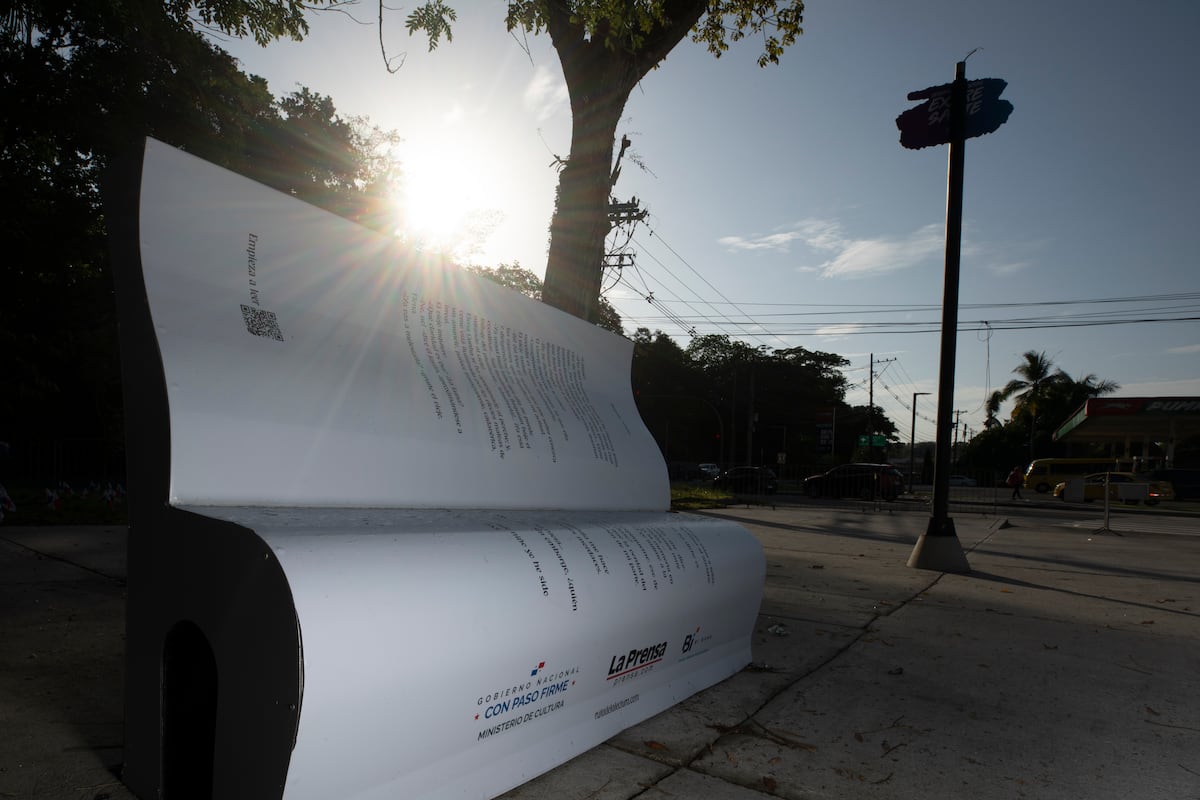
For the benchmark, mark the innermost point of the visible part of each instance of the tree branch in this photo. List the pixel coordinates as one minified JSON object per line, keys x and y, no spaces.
{"x":682,"y":16}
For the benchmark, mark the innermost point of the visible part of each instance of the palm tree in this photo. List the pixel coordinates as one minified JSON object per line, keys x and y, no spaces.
{"x":1037,"y":374}
{"x":1040,"y":386}
{"x":1091,"y":386}
{"x":992,"y":408}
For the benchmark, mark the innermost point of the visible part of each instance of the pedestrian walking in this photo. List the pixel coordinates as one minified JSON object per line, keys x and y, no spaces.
{"x":1015,"y":479}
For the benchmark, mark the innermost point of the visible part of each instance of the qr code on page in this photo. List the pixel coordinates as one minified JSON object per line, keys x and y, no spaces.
{"x":262,"y":323}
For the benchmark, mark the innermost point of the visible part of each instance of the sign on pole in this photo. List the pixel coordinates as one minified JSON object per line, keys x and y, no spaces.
{"x":825,"y":421}
{"x":951,"y":114}
{"x":928,"y":124}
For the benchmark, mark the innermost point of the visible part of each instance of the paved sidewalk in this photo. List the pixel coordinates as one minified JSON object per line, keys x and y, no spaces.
{"x":1066,"y":665}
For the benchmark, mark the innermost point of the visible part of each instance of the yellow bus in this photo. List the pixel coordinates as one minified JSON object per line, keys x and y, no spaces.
{"x":1044,"y":474}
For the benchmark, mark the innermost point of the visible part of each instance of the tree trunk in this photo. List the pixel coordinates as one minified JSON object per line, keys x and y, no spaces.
{"x":577,"y":233}
{"x":600,"y":75}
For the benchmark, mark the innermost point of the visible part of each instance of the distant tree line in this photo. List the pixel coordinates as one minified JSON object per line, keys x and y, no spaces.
{"x":719,"y":400}
{"x":724,"y":401}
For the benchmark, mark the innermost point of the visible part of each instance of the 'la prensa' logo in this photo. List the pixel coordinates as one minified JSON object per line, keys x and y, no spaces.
{"x":623,"y":664}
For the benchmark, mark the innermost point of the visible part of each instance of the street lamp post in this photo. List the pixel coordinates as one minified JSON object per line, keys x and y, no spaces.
{"x":912,"y":440}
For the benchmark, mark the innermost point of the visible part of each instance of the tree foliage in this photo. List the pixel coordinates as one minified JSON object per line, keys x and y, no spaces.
{"x":434,"y":19}
{"x":1035,"y":375}
{"x":265,"y":20}
{"x":514,"y":276}
{"x":1044,"y":396}
{"x":725,"y":401}
{"x":79,"y":81}
{"x":730,"y":20}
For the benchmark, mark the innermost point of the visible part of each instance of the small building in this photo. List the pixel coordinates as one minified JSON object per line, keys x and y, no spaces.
{"x":1126,"y":421}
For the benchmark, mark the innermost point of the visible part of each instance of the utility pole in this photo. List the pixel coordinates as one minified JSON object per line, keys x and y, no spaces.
{"x":619,"y":213}
{"x":954,"y":449}
{"x":912,"y":441}
{"x":733,"y":419}
{"x":871,"y":406}
{"x":618,"y":260}
{"x":751,"y":419}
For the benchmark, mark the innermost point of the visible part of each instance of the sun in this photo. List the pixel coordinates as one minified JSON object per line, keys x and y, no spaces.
{"x":448,"y":199}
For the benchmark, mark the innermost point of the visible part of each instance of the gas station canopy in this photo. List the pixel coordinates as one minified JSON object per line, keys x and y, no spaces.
{"x":1133,"y":419}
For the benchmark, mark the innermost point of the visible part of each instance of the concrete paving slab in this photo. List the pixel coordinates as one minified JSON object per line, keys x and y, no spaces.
{"x":691,"y":785}
{"x":61,"y":650}
{"x":1063,"y":666}
{"x":801,"y":604}
{"x":786,"y":649}
{"x":97,"y":548}
{"x":679,"y":734}
{"x":930,"y":709}
{"x":997,"y":686}
{"x":602,"y":773}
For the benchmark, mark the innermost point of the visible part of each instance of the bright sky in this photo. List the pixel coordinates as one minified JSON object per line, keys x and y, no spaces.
{"x":783,"y":209}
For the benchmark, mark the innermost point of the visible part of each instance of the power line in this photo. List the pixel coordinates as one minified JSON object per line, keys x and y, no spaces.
{"x":708,"y":303}
{"x":906,"y":308}
{"x":695,"y":272}
{"x":934,"y":326}
{"x":754,"y":320}
{"x":1165,"y":308}
{"x":687,"y":324}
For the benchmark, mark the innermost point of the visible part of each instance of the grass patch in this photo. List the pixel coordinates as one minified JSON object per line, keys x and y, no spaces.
{"x":34,"y":507}
{"x":693,"y":497}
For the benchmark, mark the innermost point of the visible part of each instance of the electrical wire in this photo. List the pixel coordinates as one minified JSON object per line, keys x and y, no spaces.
{"x":696,"y":315}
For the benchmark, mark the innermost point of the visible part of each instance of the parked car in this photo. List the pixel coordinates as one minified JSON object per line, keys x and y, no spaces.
{"x":1185,"y":482}
{"x":709,"y":470}
{"x":1093,"y":487}
{"x":864,"y":481}
{"x":746,"y":480}
{"x":962,"y":480}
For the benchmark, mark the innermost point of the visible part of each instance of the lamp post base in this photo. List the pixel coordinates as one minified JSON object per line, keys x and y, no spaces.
{"x":939,"y":549}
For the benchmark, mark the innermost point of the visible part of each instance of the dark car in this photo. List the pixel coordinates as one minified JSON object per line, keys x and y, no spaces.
{"x":1185,"y":481}
{"x":746,"y":480}
{"x":863,"y":481}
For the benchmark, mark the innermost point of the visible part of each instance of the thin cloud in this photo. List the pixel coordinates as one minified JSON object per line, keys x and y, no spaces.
{"x":822,"y":234}
{"x":1011,"y":267}
{"x":835,"y":332}
{"x":545,"y":95}
{"x":860,"y":258}
{"x":846,"y":257}
{"x":817,"y":234}
{"x":1185,"y":350}
{"x":772,"y":241}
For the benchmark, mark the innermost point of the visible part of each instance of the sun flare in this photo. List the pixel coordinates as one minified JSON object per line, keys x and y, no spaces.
{"x":448,"y":200}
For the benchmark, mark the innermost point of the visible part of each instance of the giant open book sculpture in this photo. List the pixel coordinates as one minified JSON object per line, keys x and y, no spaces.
{"x":395,"y":531}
